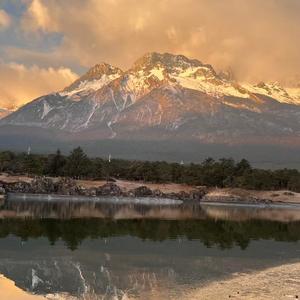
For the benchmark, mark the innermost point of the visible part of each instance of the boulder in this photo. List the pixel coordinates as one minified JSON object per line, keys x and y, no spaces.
{"x":197,"y":195}
{"x":109,"y":189}
{"x":183,"y":196}
{"x":142,"y":191}
{"x":42,"y":185}
{"x":17,"y":187}
{"x":67,"y":186}
{"x":158,"y":194}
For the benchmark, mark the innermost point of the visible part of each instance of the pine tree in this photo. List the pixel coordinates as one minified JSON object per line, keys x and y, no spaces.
{"x":78,"y":164}
{"x":56,"y":164}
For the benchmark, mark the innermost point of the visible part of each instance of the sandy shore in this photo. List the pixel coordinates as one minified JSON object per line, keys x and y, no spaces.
{"x":278,"y":283}
{"x":251,"y":196}
{"x":9,"y":291}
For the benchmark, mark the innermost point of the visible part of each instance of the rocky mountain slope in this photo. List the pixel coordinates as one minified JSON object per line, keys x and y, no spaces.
{"x":4,"y":112}
{"x":166,"y":96}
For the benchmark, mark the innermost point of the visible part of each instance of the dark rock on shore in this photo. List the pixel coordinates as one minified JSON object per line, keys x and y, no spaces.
{"x":16,"y":187}
{"x":2,"y":191}
{"x":68,"y":186}
{"x":43,"y":185}
{"x":141,"y":191}
{"x":109,"y":189}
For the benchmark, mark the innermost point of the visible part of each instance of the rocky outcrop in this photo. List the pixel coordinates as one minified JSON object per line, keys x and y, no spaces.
{"x":67,"y":186}
{"x":43,"y":185}
{"x":16,"y":187}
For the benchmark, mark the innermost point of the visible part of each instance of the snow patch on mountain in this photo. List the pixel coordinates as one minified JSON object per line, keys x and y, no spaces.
{"x":92,"y":85}
{"x":93,"y":110}
{"x":204,"y":79}
{"x":46,"y":109}
{"x":276,"y":91}
{"x":93,"y":80}
{"x":158,"y":72}
{"x":295,"y":94}
{"x":113,"y":133}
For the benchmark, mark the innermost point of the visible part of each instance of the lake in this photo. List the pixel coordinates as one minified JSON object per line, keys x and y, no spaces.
{"x":95,"y":250}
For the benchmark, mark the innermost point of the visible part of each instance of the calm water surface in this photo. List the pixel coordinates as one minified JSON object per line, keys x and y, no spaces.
{"x":119,"y":251}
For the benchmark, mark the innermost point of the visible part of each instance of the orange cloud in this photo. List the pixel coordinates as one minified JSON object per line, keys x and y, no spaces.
{"x":38,"y":17}
{"x":20,"y":84}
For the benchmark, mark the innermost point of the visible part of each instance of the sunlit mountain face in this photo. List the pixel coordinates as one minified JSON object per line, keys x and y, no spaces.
{"x":166,"y":96}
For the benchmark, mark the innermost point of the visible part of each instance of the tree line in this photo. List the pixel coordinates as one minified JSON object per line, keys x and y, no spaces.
{"x":221,"y":173}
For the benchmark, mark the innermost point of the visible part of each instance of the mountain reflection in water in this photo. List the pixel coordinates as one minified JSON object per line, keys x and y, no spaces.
{"x":94,"y":250}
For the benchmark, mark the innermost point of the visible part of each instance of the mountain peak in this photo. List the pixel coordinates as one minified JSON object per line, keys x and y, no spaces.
{"x":93,"y":79}
{"x":275,"y":91}
{"x":100,"y":69}
{"x":166,"y":59}
{"x":165,"y":95}
{"x":271,"y":88}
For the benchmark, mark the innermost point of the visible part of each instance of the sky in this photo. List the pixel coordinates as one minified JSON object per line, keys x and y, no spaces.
{"x":46,"y":44}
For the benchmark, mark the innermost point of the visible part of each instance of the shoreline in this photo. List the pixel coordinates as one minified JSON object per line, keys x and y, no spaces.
{"x":148,"y":201}
{"x":83,"y":199}
{"x":129,"y":189}
{"x":286,"y":205}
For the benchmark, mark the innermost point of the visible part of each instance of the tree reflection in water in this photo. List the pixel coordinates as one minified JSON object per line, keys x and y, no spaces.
{"x":73,"y":222}
{"x":224,"y":234}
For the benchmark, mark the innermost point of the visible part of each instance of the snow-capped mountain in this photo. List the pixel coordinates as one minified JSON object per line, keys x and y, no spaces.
{"x":166,"y":96}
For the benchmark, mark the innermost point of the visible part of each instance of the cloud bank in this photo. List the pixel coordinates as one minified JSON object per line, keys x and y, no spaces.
{"x":258,"y":39}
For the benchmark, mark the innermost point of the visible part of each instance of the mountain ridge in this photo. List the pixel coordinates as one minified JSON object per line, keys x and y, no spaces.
{"x":166,"y":96}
